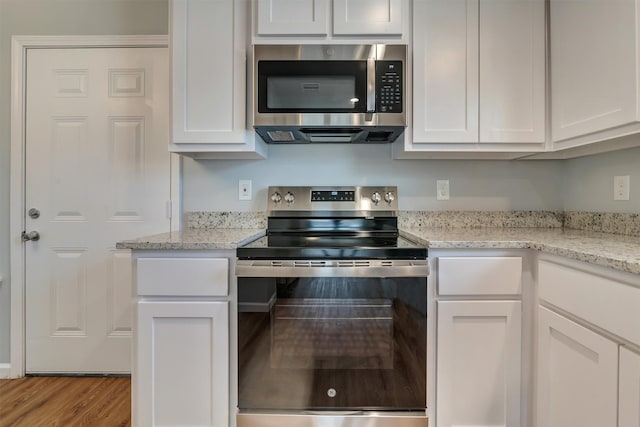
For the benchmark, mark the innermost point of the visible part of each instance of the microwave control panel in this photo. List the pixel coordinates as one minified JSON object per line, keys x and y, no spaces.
{"x":389,"y":86}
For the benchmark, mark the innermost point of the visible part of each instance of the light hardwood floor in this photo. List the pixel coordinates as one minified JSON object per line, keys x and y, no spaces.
{"x":65,"y":401}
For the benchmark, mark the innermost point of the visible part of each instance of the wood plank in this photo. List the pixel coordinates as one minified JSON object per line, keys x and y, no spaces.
{"x":65,"y":401}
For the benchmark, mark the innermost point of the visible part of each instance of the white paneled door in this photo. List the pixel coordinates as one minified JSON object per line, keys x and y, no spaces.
{"x":97,"y":171}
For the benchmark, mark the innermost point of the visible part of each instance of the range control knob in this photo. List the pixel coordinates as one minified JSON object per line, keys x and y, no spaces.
{"x":375,"y":198}
{"x":389,"y":197}
{"x":289,"y":197}
{"x":276,"y":198}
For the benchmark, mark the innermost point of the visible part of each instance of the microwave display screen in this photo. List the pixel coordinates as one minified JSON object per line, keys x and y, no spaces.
{"x":312,"y":92}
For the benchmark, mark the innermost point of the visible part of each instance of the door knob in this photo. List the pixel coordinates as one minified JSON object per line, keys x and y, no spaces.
{"x":32,"y":235}
{"x":34,"y":213}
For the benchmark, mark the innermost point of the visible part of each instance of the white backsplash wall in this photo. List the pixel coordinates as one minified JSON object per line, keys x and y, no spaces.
{"x":212,"y":185}
{"x":589,"y":182}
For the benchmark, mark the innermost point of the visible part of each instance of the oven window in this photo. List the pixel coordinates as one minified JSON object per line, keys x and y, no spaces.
{"x":312,"y":86}
{"x":332,"y":343}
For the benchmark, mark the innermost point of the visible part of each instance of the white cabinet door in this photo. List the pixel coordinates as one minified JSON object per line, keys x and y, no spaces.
{"x":478,"y":363}
{"x":629,"y":393}
{"x":594,"y":52}
{"x":208,"y":53}
{"x":512,"y":71}
{"x":479,"y":71}
{"x":314,"y":18}
{"x":577,"y":374}
{"x":445,"y":71}
{"x":181,"y":361}
{"x":292,"y":17}
{"x":368,"y":17}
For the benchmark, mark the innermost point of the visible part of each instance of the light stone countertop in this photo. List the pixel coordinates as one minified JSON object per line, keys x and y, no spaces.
{"x":608,"y":250}
{"x":194,"y":239}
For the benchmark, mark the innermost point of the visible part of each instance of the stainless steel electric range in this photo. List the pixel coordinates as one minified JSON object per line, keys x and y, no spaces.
{"x":332,"y":313}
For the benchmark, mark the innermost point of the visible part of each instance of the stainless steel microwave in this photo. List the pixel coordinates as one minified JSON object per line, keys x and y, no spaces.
{"x":329,"y":93}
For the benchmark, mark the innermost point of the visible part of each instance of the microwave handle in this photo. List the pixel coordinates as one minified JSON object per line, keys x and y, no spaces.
{"x":371,"y":85}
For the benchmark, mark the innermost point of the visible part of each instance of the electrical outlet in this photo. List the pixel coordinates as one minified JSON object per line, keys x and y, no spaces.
{"x":442,"y":189}
{"x":621,"y":187}
{"x":244,"y":189}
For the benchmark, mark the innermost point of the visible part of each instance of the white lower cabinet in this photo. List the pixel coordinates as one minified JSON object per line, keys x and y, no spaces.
{"x":181,"y":343}
{"x":479,"y":339}
{"x":478,"y":363}
{"x":588,"y":340}
{"x":629,"y":393}
{"x":182,"y":364}
{"x":577,"y":374}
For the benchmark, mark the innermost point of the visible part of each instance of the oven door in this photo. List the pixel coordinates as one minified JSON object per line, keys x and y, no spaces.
{"x":332,"y":341}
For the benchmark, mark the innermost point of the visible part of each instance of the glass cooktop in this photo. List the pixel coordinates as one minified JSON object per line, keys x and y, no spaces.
{"x":319,"y":246}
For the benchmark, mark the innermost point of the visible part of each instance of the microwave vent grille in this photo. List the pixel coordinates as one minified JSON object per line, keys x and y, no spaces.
{"x":281,"y":135}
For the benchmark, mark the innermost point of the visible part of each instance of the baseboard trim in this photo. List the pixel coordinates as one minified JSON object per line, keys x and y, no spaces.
{"x":5,"y":370}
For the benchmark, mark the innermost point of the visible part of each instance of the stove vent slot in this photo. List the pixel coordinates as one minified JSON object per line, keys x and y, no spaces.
{"x":276,"y":263}
{"x":356,"y":263}
{"x":309,"y":264}
{"x":386,"y":263}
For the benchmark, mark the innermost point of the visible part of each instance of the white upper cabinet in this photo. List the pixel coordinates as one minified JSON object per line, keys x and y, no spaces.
{"x":368,"y":17}
{"x":478,"y":77}
{"x":594,"y":70}
{"x":349,"y":21}
{"x":208,"y":52}
{"x":445,"y":71}
{"x":292,"y":17}
{"x":512,"y":71}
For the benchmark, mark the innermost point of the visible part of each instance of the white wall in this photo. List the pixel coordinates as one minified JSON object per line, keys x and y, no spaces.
{"x":55,"y":17}
{"x":589,"y":182}
{"x":474,"y":185}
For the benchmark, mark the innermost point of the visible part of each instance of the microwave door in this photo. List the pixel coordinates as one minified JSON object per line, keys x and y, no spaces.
{"x":307,"y":93}
{"x":312,"y":86}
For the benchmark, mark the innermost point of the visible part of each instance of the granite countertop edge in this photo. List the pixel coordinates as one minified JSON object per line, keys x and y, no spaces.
{"x":194,"y":239}
{"x":615,"y":251}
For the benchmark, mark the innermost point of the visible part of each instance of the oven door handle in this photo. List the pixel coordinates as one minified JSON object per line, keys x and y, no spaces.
{"x":335,"y":413}
{"x":332,"y":268}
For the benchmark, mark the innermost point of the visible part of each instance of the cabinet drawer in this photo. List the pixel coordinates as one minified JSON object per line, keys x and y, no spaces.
{"x":607,"y":303}
{"x":479,"y":275}
{"x":183,"y":276}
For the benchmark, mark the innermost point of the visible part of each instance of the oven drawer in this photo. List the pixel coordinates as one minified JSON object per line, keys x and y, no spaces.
{"x":479,"y":275}
{"x":183,"y":276}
